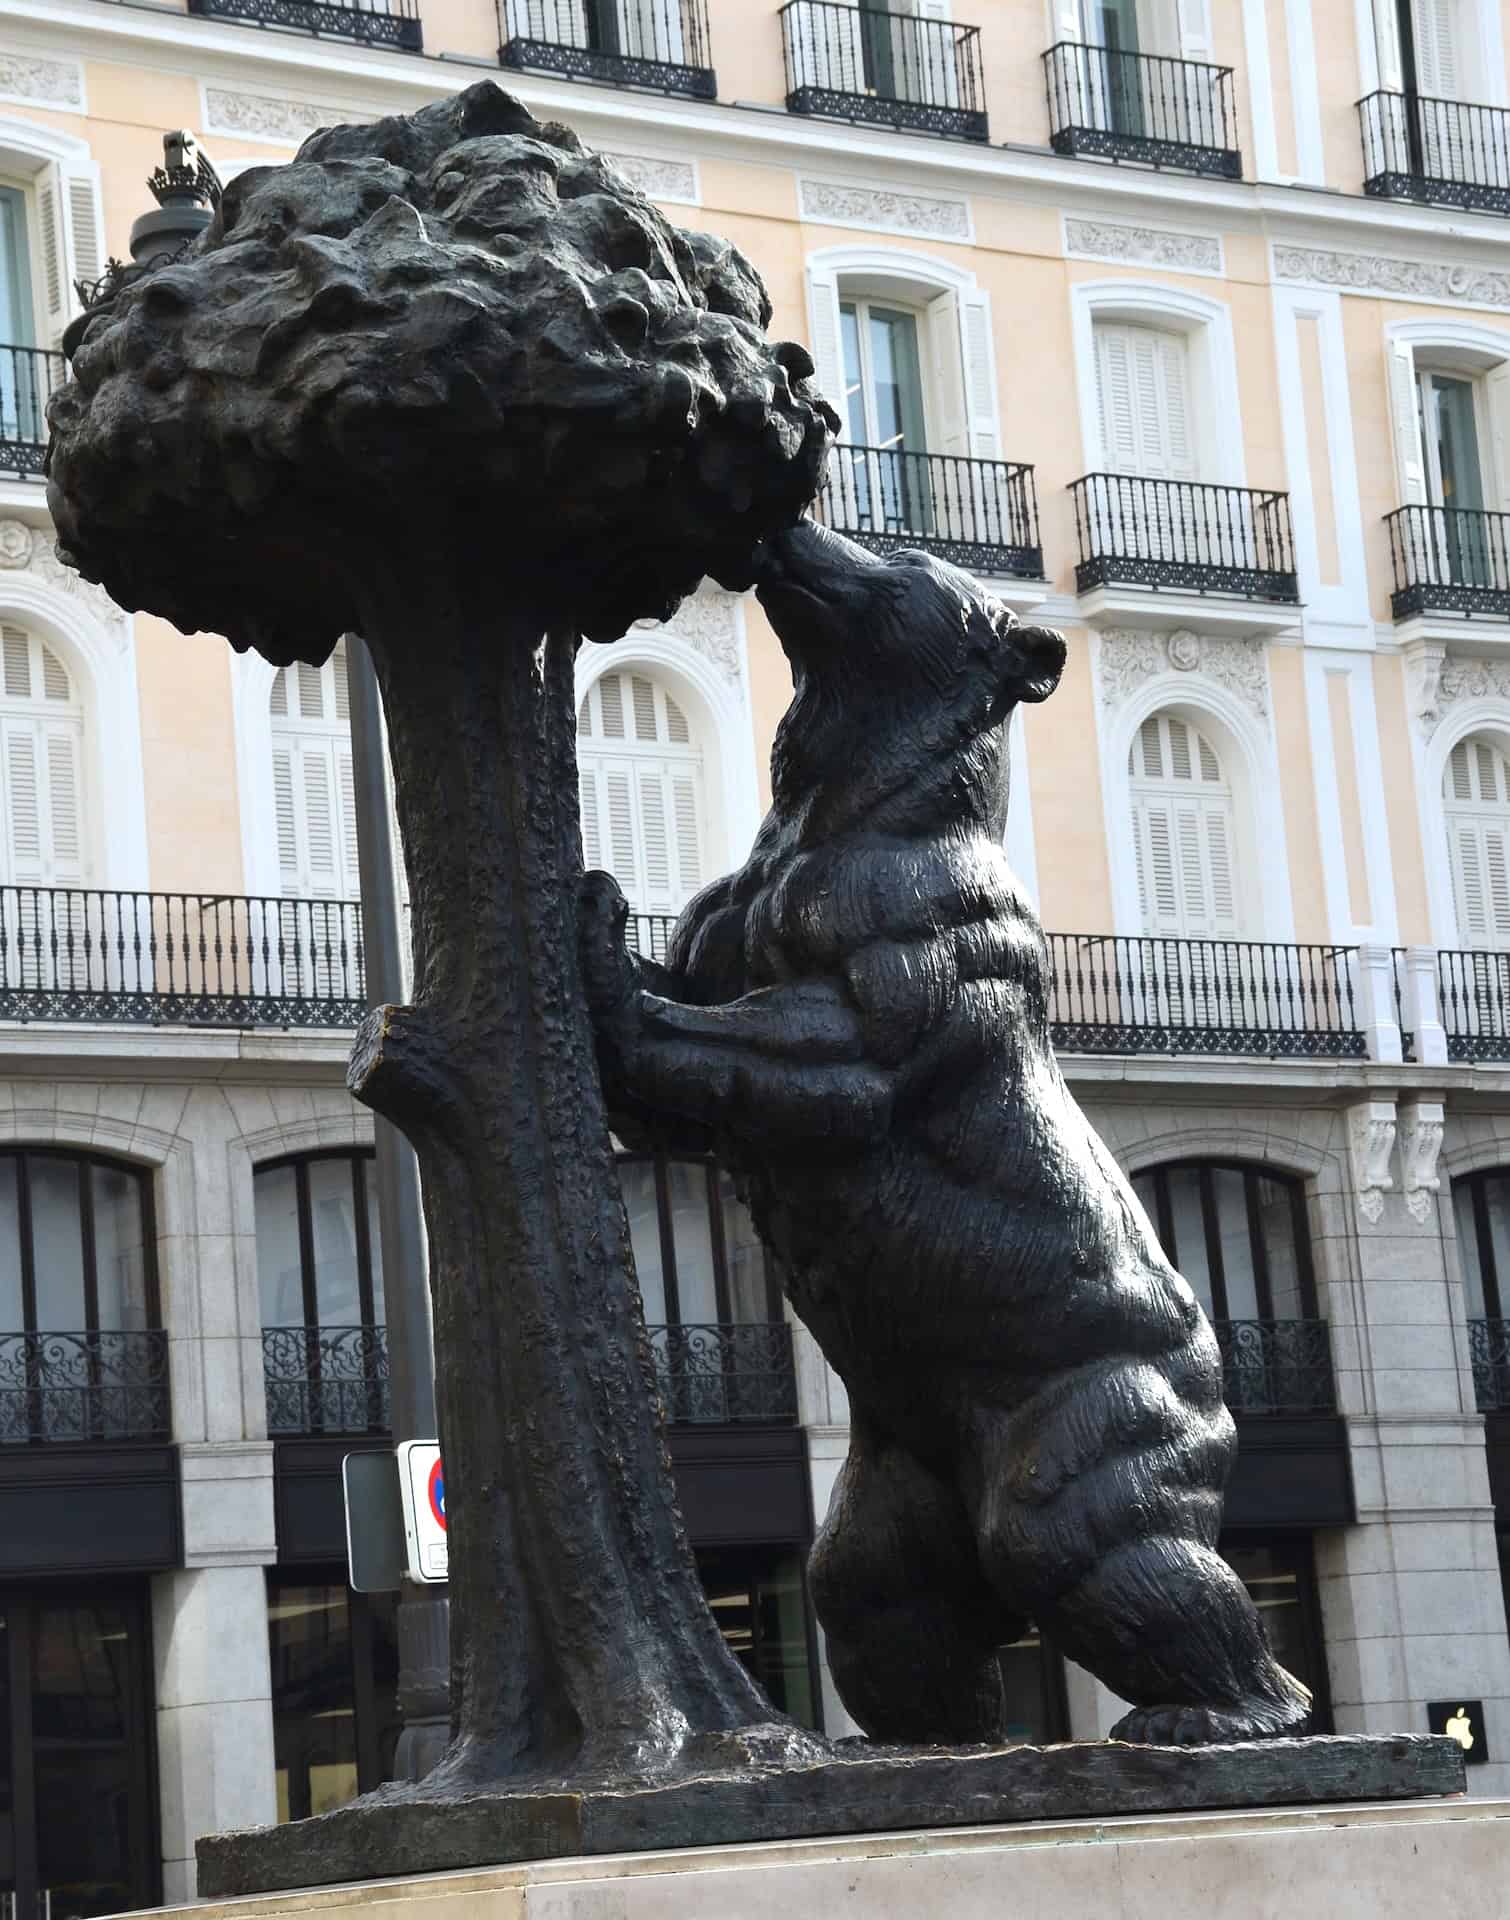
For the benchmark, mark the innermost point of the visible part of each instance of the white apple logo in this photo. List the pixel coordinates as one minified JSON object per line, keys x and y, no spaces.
{"x":1460,"y":1728}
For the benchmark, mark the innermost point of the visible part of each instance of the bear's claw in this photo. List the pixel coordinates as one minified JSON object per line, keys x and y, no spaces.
{"x":1185,"y":1726}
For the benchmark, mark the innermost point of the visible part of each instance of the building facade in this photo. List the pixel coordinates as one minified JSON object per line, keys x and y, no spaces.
{"x":1184,"y":323}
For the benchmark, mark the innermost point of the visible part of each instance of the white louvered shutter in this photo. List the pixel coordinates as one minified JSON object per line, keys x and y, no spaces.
{"x":1476,"y":792}
{"x":562,"y":22}
{"x":70,"y":241}
{"x":1184,"y":829}
{"x":1497,"y":404}
{"x":1438,"y":81}
{"x":42,"y":790}
{"x":826,"y":336}
{"x":1405,"y":424}
{"x":827,"y":52}
{"x":1147,"y":434}
{"x":641,"y":792}
{"x":1387,"y":43}
{"x":652,"y":30}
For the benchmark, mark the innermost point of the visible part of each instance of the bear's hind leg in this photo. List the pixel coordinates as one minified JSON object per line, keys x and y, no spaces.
{"x":911,"y":1625}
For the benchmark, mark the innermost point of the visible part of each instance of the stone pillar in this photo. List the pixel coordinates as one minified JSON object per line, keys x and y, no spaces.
{"x":1423,"y":1007}
{"x":1378,"y":1006}
{"x":1411,"y":1596}
{"x":214,"y":1711}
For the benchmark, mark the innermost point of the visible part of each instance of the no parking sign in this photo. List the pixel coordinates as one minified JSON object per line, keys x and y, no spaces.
{"x":422,"y":1480}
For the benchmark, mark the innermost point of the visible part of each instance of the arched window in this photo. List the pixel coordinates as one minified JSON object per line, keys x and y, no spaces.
{"x":1184,"y":832}
{"x":1481,"y":1209}
{"x":319,"y":1272}
{"x":314,"y":797}
{"x":1476,"y":799}
{"x":81,"y":1354}
{"x":641,"y":772}
{"x":42,"y":750}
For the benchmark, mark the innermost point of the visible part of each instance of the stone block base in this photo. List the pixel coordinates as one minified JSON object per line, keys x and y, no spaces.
{"x":1349,"y":1863}
{"x":400,"y":1831}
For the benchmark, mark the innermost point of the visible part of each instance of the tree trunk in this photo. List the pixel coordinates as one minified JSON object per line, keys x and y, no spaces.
{"x":582,"y":1642}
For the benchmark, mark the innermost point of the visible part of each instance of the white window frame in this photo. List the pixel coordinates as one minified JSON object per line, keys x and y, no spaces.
{"x":1489,"y":717}
{"x":1246,"y":749}
{"x":1215,"y":396}
{"x":1455,"y":347}
{"x":42,"y":163}
{"x":863,"y":301}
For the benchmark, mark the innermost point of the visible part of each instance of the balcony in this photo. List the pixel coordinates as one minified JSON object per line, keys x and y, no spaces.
{"x":1179,"y":536}
{"x":660,"y":45}
{"x":62,"y":1387}
{"x":1473,"y":995}
{"x":1276,"y":1366}
{"x":325,"y":1380}
{"x":371,"y":23}
{"x":1449,"y":560}
{"x":1111,"y":993}
{"x":884,"y":69}
{"x":1109,"y":105}
{"x":1489,"y":1351}
{"x":199,"y":960}
{"x":980,"y":514}
{"x":1445,"y":153}
{"x":726,"y":1375}
{"x":27,"y":376}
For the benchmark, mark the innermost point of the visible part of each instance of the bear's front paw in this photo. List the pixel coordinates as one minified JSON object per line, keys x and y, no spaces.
{"x":609,"y":974}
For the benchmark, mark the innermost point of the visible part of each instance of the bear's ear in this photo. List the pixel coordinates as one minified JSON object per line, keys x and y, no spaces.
{"x":1035,"y":661}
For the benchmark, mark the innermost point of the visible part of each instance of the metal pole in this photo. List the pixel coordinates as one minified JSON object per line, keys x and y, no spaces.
{"x":423,"y":1612}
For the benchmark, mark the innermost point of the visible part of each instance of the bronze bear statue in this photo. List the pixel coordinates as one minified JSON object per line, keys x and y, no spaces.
{"x":857,"y":1022}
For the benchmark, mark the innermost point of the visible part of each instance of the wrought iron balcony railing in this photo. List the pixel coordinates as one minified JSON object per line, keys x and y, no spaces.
{"x":1445,"y":152}
{"x":1138,"y":106}
{"x":27,"y":376}
{"x":375,"y":23}
{"x":1112,"y":993}
{"x":980,"y":514}
{"x":1276,"y":1366}
{"x":730,"y":1374}
{"x":325,"y":1380}
{"x":1449,"y":560}
{"x":204,"y":960}
{"x":1489,"y":1351}
{"x":1473,"y":993}
{"x":1184,"y":536}
{"x":662,"y":45}
{"x":886,"y":69}
{"x":59,"y":1387}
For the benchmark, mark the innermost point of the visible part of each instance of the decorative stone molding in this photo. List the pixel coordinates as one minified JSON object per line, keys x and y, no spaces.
{"x":658,"y":178}
{"x":33,"y":550}
{"x":707,"y":623}
{"x":1143,"y":246}
{"x":35,"y":82}
{"x":1472,"y":680}
{"x":271,"y":117}
{"x":1425,"y":661}
{"x":1421,"y":1129}
{"x":883,"y":210}
{"x":1129,"y":658}
{"x":1460,"y":284}
{"x":1371,"y":1140}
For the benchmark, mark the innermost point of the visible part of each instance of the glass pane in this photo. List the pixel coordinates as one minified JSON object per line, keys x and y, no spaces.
{"x":637,"y":1182}
{"x":375,"y":1243}
{"x":784,"y":1669}
{"x":333,"y":1227}
{"x":696,"y":1289}
{"x":1279,"y":1579}
{"x":1022,"y":1672}
{"x":897,"y":375}
{"x":278,"y":1270}
{"x":15,"y":275}
{"x":1458,"y":443}
{"x":12,"y":1312}
{"x":83,"y":1747}
{"x":314,"y":1710}
{"x":1237,"y":1247}
{"x":120,"y":1255}
{"x":1497,"y":1195}
{"x":751,"y":1295}
{"x":1276,"y":1216}
{"x":1468,"y":1250}
{"x":7,"y":1796}
{"x":1189,"y":1252}
{"x":57,"y":1243}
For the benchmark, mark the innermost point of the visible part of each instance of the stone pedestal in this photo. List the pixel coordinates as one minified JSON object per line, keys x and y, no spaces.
{"x":1349,"y":1863}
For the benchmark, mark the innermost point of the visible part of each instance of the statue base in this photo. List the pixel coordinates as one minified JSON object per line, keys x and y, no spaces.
{"x":862,"y":1789}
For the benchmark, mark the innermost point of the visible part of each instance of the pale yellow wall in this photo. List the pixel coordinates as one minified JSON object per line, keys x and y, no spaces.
{"x":1401,"y":812}
{"x":1338,"y":80}
{"x":1298,"y":793}
{"x":1281,"y":88}
{"x":189,"y":759}
{"x":1074,"y":880}
{"x":1363,"y":323}
{"x":1349,"y":801}
{"x":770,"y":690}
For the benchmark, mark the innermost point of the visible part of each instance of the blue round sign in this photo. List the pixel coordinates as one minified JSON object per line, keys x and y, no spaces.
{"x":437,"y":1492}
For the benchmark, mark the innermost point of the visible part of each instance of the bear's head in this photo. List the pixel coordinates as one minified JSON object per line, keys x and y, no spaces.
{"x":904,"y":666}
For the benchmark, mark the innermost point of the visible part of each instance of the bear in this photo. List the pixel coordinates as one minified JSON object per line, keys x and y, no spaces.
{"x":857,"y":1022}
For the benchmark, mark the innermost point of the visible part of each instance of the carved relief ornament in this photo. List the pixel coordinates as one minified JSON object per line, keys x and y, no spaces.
{"x":1142,"y":246}
{"x":883,"y":208}
{"x":33,"y":550}
{"x":1371,"y":1138}
{"x":1129,"y":659}
{"x":1422,"y":1123}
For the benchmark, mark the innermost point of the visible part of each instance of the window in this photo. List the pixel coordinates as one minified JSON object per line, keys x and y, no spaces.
{"x":1280,"y":1575}
{"x":1144,"y":391}
{"x":641,"y":774}
{"x":1476,"y":799}
{"x":1481,"y":1207}
{"x":635,"y":29}
{"x":1184,"y":832}
{"x":759,"y":1599}
{"x":80,"y":1355}
{"x":1420,"y":46}
{"x":334,"y":1656}
{"x":1237,"y":1234}
{"x":314,"y":796}
{"x":319,"y":1271}
{"x":41,"y":764}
